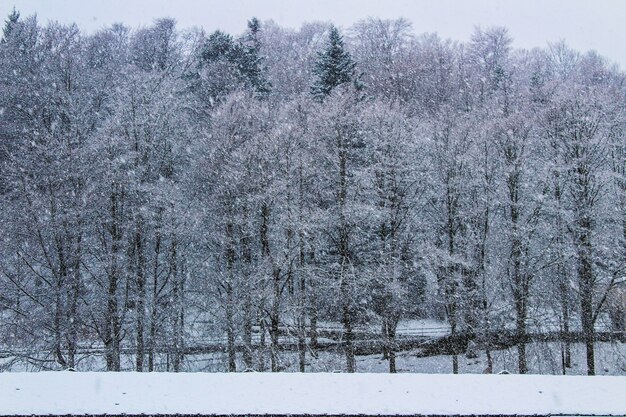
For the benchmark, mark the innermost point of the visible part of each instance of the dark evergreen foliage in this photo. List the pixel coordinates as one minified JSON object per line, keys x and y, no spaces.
{"x":10,"y":23}
{"x":334,"y":67}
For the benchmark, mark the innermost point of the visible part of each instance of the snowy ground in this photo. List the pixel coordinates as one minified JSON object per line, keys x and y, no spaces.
{"x":72,"y":393}
{"x":543,"y":358}
{"x":428,"y":328}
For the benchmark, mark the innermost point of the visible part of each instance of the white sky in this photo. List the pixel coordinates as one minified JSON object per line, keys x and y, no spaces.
{"x":583,"y":24}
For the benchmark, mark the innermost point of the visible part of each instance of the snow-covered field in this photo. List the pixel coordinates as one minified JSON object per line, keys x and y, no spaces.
{"x":543,"y":358}
{"x":70,"y":393}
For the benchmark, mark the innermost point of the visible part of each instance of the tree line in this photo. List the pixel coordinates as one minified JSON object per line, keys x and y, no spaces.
{"x":275,"y":180}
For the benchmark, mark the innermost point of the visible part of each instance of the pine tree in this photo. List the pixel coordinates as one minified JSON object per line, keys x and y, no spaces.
{"x":251,"y":63}
{"x":252,"y":36}
{"x":9,"y":24}
{"x":241,"y":57}
{"x":334,"y":67}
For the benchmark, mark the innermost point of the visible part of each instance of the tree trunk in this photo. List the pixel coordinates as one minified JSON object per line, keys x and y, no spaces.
{"x":155,"y":295}
{"x":313,"y":317}
{"x":448,"y":274}
{"x":141,"y":297}
{"x":302,"y":300}
{"x":347,"y":324}
{"x":246,"y":254}
{"x":72,"y":342}
{"x":585,"y":278}
{"x":521,"y":349}
{"x":489,"y":368}
{"x":177,"y":307}
{"x":566,"y":355}
{"x":302,"y":283}
{"x":112,"y":318}
{"x":518,"y":278}
{"x":565,"y":316}
{"x":344,"y":253}
{"x":247,"y":332}
{"x":262,"y":343}
{"x":275,"y":321}
{"x":385,"y":336}
{"x":390,"y":345}
{"x":58,"y":320}
{"x":302,"y":335}
{"x":455,"y":356}
{"x":230,"y":300}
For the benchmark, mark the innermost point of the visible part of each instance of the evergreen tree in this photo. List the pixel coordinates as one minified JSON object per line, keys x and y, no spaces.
{"x":219,"y":45}
{"x":334,"y":67}
{"x":251,"y":64}
{"x":252,"y":36}
{"x":238,"y":62}
{"x":9,"y":24}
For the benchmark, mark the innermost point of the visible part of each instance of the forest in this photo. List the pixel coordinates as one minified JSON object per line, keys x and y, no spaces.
{"x":164,"y":186}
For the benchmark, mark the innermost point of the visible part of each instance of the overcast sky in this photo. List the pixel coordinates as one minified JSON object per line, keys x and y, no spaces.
{"x":583,"y":24}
